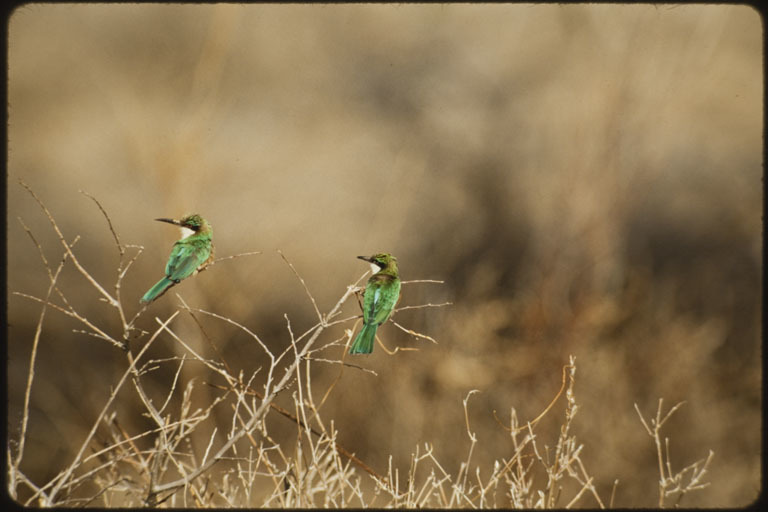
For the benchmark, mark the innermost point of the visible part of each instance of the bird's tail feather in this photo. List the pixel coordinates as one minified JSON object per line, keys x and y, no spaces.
{"x":364,"y":342}
{"x":157,"y":290}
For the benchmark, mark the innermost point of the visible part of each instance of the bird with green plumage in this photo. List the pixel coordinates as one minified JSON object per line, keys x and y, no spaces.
{"x":382,"y":291}
{"x":189,"y":255}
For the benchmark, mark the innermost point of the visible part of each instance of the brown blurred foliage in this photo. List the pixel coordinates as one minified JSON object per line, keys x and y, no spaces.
{"x":586,"y":179}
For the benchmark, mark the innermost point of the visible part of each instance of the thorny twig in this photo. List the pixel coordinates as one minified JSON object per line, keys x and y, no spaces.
{"x":673,"y":483}
{"x":53,"y":277}
{"x":270,"y":393}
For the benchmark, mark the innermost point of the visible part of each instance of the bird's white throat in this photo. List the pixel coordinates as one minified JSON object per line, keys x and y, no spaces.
{"x":186,"y":232}
{"x":374,"y":268}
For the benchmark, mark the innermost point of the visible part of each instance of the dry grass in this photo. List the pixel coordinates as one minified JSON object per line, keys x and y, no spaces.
{"x":187,"y":456}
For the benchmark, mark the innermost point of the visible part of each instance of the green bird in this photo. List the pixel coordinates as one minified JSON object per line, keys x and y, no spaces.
{"x":381,"y":294}
{"x":189,"y":255}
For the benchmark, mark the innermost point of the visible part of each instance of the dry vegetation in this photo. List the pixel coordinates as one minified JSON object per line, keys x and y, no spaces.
{"x":577,"y":181}
{"x":242,"y":465}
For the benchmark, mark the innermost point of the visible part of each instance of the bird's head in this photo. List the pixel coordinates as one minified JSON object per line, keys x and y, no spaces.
{"x":189,"y":224}
{"x":381,"y":261}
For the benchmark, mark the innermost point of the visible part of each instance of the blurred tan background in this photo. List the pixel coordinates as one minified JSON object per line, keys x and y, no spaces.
{"x":586,"y":179}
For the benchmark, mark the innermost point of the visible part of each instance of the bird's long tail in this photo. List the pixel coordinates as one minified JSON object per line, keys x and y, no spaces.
{"x":364,"y":342}
{"x":157,"y":290}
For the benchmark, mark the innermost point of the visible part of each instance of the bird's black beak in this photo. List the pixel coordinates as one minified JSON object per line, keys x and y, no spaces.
{"x":365,"y":258}
{"x":169,"y":221}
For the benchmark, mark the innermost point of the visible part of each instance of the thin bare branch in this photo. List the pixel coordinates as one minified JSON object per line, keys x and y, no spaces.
{"x":224,"y":258}
{"x":421,"y":306}
{"x":120,"y":247}
{"x":33,"y":355}
{"x":112,"y":301}
{"x":303,"y":284}
{"x":414,"y":333}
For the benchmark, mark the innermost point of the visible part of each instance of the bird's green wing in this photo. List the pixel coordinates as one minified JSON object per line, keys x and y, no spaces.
{"x":380,"y":298}
{"x":185,"y":258}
